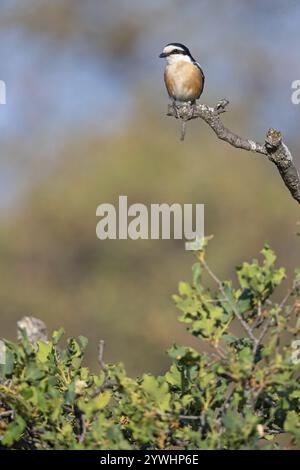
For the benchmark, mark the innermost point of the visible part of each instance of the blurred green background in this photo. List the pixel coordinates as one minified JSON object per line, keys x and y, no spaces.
{"x":85,"y":122}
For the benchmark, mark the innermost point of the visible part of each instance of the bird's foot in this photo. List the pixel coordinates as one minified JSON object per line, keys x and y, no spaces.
{"x":176,"y":110}
{"x":192,"y":110}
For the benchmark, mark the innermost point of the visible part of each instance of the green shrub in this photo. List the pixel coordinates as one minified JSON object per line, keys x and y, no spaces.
{"x":242,"y":393}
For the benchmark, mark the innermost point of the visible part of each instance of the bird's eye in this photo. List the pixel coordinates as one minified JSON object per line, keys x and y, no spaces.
{"x":178,"y":51}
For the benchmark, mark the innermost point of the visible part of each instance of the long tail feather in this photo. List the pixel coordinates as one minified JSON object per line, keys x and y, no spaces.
{"x":183,"y":129}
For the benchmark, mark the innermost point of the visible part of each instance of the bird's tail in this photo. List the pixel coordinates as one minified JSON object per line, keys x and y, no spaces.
{"x":183,"y":129}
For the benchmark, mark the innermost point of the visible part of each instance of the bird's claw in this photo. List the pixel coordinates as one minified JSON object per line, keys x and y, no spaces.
{"x":192,"y":109}
{"x":176,"y":111}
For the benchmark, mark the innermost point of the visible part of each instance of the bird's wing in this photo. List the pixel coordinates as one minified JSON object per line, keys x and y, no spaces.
{"x":201,"y":71}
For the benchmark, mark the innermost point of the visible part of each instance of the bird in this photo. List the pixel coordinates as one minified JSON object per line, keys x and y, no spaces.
{"x":184,"y":77}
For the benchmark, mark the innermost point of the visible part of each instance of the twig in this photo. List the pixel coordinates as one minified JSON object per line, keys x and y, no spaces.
{"x":228,"y":395}
{"x":291,"y":291}
{"x":4,"y":414}
{"x":106,"y":383}
{"x":101,"y":353}
{"x":257,"y":323}
{"x":286,"y":297}
{"x":187,"y":417}
{"x":221,"y":352}
{"x":232,"y":306}
{"x":273,"y":148}
{"x":82,"y":426}
{"x":101,"y":361}
{"x":264,"y":330}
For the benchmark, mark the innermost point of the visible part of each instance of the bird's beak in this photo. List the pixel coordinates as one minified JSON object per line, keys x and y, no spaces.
{"x":162,"y":55}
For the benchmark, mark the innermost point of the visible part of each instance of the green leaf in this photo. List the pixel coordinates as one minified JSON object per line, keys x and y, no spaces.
{"x":159,"y":393}
{"x":83,"y":341}
{"x":173,"y":377}
{"x":70,"y":394}
{"x":33,"y":372}
{"x":57,"y":335}
{"x":44,"y":349}
{"x":292,"y":424}
{"x":184,"y":288}
{"x":269,"y":255}
{"x":14,"y":431}
{"x":7,"y":368}
{"x":184,"y":355}
{"x":102,"y":400}
{"x":95,"y":404}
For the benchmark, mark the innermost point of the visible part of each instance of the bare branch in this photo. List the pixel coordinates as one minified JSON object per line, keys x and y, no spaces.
{"x":101,"y":353}
{"x":173,"y":415}
{"x":263,"y":332}
{"x":106,"y":383}
{"x":81,"y":422}
{"x":273,"y":148}
{"x":5,"y":414}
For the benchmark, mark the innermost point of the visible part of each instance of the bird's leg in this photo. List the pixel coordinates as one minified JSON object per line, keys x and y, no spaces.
{"x":192,"y":109}
{"x":175,"y":108}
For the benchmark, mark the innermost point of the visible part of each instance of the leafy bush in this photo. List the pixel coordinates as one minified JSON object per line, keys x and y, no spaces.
{"x":242,"y":393}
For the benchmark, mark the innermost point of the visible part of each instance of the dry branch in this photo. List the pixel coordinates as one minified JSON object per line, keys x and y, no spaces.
{"x":273,"y":148}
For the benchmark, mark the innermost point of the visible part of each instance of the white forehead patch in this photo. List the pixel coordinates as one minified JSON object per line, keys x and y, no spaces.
{"x":171,"y":48}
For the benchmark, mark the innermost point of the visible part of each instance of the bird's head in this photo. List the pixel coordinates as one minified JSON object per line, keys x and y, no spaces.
{"x":176,"y":51}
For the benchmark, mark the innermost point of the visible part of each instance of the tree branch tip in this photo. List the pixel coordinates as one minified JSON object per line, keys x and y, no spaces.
{"x":273,"y":139}
{"x":101,"y":353}
{"x":222,"y":105}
